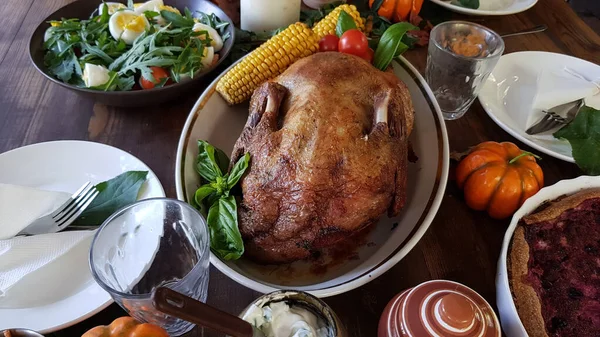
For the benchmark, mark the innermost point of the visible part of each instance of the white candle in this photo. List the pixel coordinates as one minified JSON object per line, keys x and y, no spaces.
{"x":261,"y":15}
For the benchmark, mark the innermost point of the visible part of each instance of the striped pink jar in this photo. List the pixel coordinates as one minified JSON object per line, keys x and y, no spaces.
{"x":439,"y":308}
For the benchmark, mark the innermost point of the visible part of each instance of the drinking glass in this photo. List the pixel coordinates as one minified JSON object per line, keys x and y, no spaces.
{"x":152,"y":243}
{"x":461,"y":57}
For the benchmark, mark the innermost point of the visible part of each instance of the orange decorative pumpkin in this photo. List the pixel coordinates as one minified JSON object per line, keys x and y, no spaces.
{"x":498,"y":177}
{"x":398,"y":10}
{"x":126,"y":327}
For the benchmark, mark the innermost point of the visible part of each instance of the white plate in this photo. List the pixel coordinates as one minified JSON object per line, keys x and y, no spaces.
{"x":213,"y":120}
{"x":509,"y":318}
{"x":512,"y":84}
{"x":491,"y":7}
{"x":65,"y":166}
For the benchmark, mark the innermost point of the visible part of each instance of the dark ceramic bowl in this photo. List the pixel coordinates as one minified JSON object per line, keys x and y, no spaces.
{"x":82,"y":9}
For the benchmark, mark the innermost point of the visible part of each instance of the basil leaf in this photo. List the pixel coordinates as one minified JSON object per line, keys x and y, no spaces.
{"x":473,"y":4}
{"x":114,"y":194}
{"x":376,"y":5}
{"x":203,"y":192}
{"x":177,"y":20}
{"x":390,"y":45}
{"x":225,"y":238}
{"x":238,"y":170}
{"x":211,"y":162}
{"x":345,"y":22}
{"x":583,"y":133}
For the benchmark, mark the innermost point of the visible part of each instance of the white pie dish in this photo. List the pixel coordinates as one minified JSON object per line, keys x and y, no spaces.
{"x":509,"y":318}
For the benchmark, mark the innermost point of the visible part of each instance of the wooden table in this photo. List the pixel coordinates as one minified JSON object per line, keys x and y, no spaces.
{"x":461,"y":245}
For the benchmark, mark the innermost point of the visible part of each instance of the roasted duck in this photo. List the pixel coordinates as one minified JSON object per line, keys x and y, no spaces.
{"x":328,"y":142}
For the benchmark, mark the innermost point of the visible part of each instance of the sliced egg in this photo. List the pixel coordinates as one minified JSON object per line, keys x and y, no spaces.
{"x":94,"y":75}
{"x":217,"y":41}
{"x":209,"y":55}
{"x":113,"y":7}
{"x":127,"y":25}
{"x":151,"y":5}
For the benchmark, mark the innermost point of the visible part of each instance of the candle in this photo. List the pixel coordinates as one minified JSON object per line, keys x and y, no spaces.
{"x":262,"y":15}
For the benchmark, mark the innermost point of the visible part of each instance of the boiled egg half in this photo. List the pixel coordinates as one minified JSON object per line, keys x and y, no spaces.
{"x":127,"y":25}
{"x":95,"y":75}
{"x":112,"y":7}
{"x":217,"y":41}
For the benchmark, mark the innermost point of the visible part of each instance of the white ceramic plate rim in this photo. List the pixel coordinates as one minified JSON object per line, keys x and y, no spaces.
{"x":563,"y":187}
{"x":486,"y":102}
{"x":464,"y":10}
{"x":380,"y":269}
{"x":104,"y":298}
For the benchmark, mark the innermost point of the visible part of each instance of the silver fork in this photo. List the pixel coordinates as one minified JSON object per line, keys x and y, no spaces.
{"x":65,"y":214}
{"x":553,"y":117}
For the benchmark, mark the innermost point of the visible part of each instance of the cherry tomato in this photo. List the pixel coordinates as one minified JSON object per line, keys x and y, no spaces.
{"x":353,"y":42}
{"x":329,"y":43}
{"x":368,"y":56}
{"x":158,"y":73}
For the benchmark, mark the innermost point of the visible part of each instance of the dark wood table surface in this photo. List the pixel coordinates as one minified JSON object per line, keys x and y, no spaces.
{"x":461,"y":244}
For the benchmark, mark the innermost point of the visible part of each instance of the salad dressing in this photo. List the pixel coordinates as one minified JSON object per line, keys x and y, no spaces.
{"x":278,"y":319}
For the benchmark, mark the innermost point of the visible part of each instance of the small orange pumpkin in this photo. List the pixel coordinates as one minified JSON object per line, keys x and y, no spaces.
{"x":398,"y":10}
{"x":498,"y":177}
{"x":126,"y":327}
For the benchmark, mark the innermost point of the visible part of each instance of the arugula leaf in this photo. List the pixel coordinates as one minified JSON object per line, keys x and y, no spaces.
{"x":114,"y":194}
{"x":130,"y":4}
{"x":390,"y":45}
{"x":473,"y":4}
{"x":211,"y":162}
{"x":225,"y":238}
{"x":345,"y":22}
{"x":151,"y":14}
{"x":177,"y":20}
{"x":583,"y":133}
{"x":237,"y":171}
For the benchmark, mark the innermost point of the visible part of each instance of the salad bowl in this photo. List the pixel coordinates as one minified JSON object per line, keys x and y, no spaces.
{"x":83,"y":9}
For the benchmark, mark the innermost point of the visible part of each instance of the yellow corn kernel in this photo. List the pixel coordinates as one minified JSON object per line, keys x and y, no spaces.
{"x":328,"y":24}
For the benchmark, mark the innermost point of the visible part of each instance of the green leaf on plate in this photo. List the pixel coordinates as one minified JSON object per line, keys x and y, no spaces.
{"x":177,"y":20}
{"x":583,"y":133}
{"x":238,"y":171}
{"x":345,"y":22}
{"x":390,"y":45}
{"x":114,"y":194}
{"x":225,"y":238}
{"x":211,"y":162}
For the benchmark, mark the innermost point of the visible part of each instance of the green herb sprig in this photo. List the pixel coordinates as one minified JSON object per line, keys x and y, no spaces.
{"x":583,"y":133}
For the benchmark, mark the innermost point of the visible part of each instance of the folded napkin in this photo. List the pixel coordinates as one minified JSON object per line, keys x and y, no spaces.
{"x":24,"y":259}
{"x":559,"y":86}
{"x":20,"y":206}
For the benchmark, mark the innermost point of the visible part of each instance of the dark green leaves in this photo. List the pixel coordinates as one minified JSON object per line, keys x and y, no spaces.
{"x":225,"y":238}
{"x":473,"y":4}
{"x":345,"y":22}
{"x":583,"y":133}
{"x":177,"y":20}
{"x":114,"y":194}
{"x":390,"y":45}
{"x":376,"y":5}
{"x":214,"y":199}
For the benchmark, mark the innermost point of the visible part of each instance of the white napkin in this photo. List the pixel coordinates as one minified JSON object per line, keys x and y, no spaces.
{"x":22,"y":256}
{"x":559,"y":86}
{"x":20,"y":206}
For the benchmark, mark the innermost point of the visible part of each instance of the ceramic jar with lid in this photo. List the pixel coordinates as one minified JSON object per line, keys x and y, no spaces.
{"x":439,"y":308}
{"x":266,"y":15}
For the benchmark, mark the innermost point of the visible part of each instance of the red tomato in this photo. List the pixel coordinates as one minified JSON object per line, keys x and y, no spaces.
{"x":369,"y":55}
{"x":158,"y":73}
{"x":353,"y":42}
{"x":329,"y":43}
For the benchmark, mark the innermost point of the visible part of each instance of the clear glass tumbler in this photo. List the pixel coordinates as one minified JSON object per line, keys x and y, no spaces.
{"x":152,"y":243}
{"x":461,"y":57}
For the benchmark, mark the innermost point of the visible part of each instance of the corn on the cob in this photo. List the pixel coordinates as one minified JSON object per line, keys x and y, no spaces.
{"x":267,"y":61}
{"x":328,"y":24}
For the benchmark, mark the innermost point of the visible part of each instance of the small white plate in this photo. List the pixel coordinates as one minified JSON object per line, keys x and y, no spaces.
{"x":490,"y":7}
{"x":512,"y":85}
{"x":509,"y":318}
{"x":65,"y":166}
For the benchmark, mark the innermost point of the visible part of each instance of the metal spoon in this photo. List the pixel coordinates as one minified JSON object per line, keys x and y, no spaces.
{"x":536,"y":29}
{"x":181,"y":306}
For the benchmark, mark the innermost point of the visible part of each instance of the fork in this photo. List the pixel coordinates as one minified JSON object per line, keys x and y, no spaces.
{"x":553,"y":117}
{"x":65,"y":214}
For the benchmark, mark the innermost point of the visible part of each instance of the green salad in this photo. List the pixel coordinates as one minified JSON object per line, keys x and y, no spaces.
{"x":134,"y":46}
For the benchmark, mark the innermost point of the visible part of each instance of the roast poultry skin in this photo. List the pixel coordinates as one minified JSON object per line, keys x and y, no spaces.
{"x":328,"y":141}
